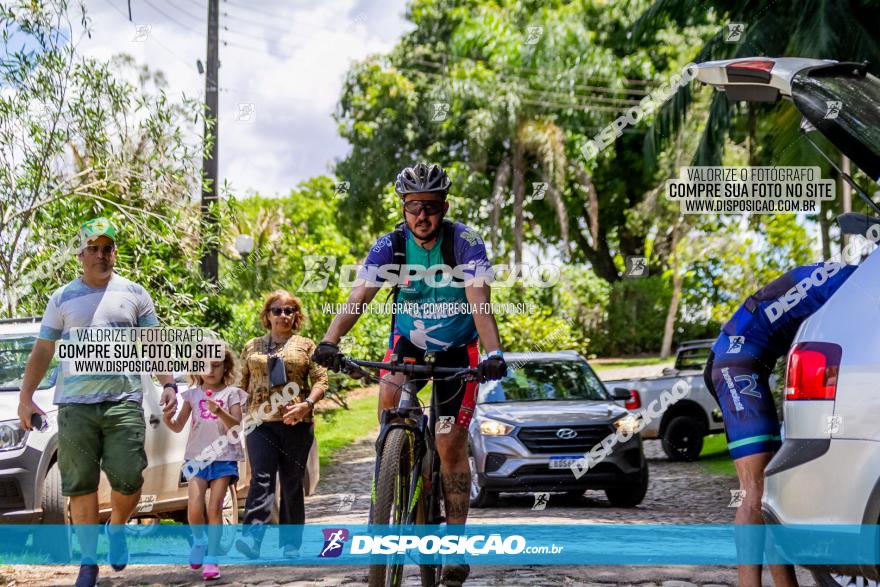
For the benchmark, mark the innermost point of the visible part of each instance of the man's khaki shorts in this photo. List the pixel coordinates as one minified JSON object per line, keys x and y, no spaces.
{"x":108,"y":436}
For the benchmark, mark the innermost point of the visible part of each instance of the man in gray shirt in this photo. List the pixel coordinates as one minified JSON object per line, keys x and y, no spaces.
{"x":100,"y":417}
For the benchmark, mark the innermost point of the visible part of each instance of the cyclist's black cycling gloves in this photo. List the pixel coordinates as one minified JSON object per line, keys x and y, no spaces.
{"x":491,"y":369}
{"x":327,"y":355}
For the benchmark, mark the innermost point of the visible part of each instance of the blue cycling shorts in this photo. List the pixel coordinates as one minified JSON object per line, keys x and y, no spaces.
{"x":742,"y":389}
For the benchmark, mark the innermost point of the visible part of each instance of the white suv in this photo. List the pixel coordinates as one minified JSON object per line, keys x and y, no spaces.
{"x":828,"y":469}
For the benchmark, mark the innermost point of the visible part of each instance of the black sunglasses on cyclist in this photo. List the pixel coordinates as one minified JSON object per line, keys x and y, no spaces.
{"x":431,"y":207}
{"x":106,"y":249}
{"x":288,"y":311}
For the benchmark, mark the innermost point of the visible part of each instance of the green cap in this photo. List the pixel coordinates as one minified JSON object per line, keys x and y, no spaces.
{"x":100,"y":226}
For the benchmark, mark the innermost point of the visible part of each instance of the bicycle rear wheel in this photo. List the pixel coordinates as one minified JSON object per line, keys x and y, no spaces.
{"x":392,"y":499}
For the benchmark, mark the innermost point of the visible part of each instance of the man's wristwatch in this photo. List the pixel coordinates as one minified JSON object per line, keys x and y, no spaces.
{"x":171,"y":385}
{"x":311,"y":404}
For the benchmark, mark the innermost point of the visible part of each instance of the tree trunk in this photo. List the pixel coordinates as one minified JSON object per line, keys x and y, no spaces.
{"x":600,"y":260}
{"x":502,"y":179}
{"x":669,"y":327}
{"x":591,"y":206}
{"x":519,"y":192}
{"x":555,"y":198}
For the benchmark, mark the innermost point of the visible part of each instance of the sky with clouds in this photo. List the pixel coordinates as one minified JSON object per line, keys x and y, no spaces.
{"x":282,"y":64}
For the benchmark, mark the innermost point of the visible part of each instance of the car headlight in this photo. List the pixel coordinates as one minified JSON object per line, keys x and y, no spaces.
{"x":12,"y":436}
{"x":629,"y":424}
{"x":489,"y":427}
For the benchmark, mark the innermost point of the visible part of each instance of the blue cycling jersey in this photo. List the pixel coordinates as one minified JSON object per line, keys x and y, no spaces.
{"x":764,"y":327}
{"x":432,"y":315}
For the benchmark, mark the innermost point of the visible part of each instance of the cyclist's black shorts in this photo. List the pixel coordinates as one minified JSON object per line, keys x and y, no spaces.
{"x":451,"y":397}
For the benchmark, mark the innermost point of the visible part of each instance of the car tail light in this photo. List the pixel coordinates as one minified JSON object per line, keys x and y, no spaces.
{"x":812,"y":371}
{"x":634,"y":402}
{"x":756,"y":70}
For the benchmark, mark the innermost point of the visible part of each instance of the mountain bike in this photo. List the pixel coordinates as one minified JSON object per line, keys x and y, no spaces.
{"x":406,"y":486}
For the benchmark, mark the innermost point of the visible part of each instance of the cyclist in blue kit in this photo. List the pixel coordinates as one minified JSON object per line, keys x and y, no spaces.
{"x":738,"y":375}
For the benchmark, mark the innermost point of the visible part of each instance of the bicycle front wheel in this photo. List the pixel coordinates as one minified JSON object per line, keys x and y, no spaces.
{"x":392,"y":499}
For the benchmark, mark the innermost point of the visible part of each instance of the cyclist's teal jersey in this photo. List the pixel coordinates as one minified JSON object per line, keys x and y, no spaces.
{"x":432,"y":310}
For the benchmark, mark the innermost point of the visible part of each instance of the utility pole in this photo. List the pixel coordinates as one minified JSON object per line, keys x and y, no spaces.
{"x":209,"y":163}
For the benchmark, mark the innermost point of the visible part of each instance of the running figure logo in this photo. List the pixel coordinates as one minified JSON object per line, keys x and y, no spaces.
{"x":734,"y":32}
{"x":318,"y":269}
{"x":832,"y":108}
{"x":736,"y":344}
{"x":636,"y":266}
{"x":334,"y":538}
{"x":541,"y":501}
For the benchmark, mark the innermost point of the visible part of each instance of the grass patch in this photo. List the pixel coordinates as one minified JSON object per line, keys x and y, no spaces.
{"x":630,"y":362}
{"x":336,"y":429}
{"x":715,"y":457}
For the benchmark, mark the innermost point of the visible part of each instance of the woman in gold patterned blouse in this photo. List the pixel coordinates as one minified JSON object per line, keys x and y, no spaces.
{"x":281,"y":443}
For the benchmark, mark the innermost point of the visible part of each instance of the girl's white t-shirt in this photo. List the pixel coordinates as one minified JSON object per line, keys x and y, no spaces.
{"x":206,"y":427}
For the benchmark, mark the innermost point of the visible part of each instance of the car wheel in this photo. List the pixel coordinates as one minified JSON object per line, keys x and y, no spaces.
{"x":628,"y":497}
{"x":50,"y":541}
{"x":480,"y":498}
{"x":683,"y":439}
{"x":825,"y":579}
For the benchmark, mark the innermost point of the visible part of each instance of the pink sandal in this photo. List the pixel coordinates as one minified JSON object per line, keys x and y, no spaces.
{"x":211,"y":572}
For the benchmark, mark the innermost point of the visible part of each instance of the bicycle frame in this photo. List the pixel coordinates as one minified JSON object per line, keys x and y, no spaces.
{"x":408,"y":415}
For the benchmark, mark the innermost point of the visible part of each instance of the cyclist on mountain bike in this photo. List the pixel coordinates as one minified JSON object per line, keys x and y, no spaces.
{"x":434,"y":318}
{"x":738,"y":375}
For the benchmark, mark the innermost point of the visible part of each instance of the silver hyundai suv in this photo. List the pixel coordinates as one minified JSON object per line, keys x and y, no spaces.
{"x":529,"y":427}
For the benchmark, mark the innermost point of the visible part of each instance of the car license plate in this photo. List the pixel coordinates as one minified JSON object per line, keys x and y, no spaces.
{"x":564,"y":462}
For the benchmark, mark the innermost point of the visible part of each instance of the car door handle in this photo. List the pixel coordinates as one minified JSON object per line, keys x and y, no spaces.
{"x":154,"y":420}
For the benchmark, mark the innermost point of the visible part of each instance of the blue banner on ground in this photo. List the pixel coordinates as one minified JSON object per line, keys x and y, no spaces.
{"x":493,"y":544}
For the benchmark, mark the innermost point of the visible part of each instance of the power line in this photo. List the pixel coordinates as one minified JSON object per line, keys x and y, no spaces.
{"x":641,"y":82}
{"x":584,"y":107}
{"x":255,"y":49}
{"x":555,"y":96}
{"x":259,"y":39}
{"x":151,"y":37}
{"x":201,"y":19}
{"x":255,"y":9}
{"x":172,"y":19}
{"x":602,"y":89}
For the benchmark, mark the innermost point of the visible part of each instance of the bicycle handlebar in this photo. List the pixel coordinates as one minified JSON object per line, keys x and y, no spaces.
{"x":349,"y":365}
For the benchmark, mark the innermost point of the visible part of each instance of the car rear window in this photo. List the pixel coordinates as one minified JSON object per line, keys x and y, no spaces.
{"x":545,"y":380}
{"x":14,"y":353}
{"x":692,"y":359}
{"x":849,"y":103}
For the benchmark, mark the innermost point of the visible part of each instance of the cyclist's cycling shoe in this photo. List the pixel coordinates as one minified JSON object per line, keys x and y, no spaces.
{"x":454,"y":575}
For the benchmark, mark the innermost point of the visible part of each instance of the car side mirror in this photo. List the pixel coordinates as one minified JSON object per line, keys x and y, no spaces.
{"x":620,"y":393}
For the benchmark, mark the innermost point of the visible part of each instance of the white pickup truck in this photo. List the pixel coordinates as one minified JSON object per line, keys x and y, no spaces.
{"x":687,"y":421}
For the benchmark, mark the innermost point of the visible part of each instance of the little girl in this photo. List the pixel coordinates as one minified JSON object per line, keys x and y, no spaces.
{"x":215,"y":406}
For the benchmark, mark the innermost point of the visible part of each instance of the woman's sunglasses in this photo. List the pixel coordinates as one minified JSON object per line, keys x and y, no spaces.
{"x":430,"y":207}
{"x":288,"y":310}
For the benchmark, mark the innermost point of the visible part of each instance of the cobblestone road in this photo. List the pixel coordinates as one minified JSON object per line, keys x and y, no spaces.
{"x":680,"y":493}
